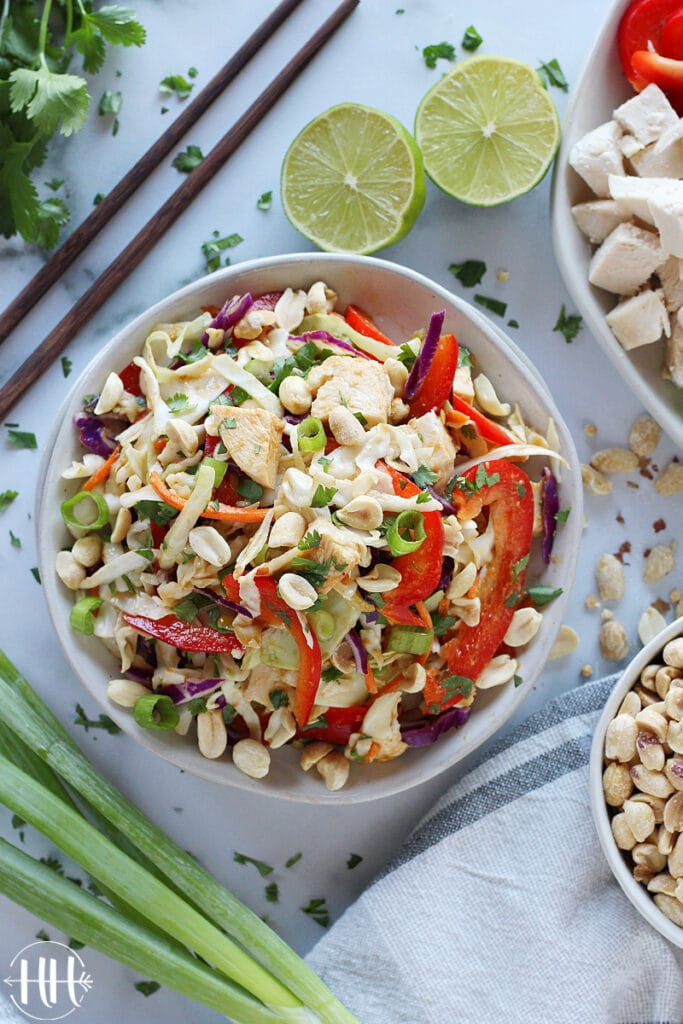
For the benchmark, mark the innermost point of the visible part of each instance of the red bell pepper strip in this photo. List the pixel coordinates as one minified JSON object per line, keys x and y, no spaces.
{"x":486,"y":428}
{"x":420,"y":570}
{"x":361,"y":322}
{"x":130,"y":377}
{"x":274,"y":612}
{"x":671,"y":43}
{"x":438,"y":381}
{"x":641,"y":28}
{"x":341,"y":722}
{"x":186,"y":636}
{"x":663,"y":71}
{"x":511,"y":510}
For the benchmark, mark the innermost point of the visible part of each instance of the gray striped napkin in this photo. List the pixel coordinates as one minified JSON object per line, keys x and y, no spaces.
{"x":501,"y":907}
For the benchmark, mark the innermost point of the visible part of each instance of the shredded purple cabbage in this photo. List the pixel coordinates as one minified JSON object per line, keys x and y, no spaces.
{"x":425,"y":355}
{"x":550,"y":504}
{"x":359,"y":653}
{"x":331,"y":340}
{"x":231,"y":314}
{"x":140,"y":675}
{"x":180,"y":693}
{"x":427,"y":730}
{"x":446,"y":574}
{"x":447,"y":506}
{"x":94,"y":435}
{"x":223,"y":601}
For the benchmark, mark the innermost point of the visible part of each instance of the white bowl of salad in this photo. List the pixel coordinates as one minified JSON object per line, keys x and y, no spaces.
{"x":312,"y":511}
{"x":618,"y":142}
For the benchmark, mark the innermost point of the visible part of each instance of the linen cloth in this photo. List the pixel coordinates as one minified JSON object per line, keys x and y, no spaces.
{"x":501,"y":906}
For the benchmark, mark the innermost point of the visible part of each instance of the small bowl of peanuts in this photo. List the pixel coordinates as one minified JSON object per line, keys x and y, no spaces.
{"x":636,"y":782}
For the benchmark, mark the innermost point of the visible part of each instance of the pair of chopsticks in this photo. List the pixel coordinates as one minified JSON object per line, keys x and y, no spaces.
{"x":149,"y":235}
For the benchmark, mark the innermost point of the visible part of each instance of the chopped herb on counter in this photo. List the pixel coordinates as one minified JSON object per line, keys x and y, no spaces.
{"x":6,"y":499}
{"x":214,"y":247}
{"x":263,"y":869}
{"x":99,"y":196}
{"x":294,"y":859}
{"x":148,"y":988}
{"x":568,"y":325}
{"x":272,"y":892}
{"x":15,"y":542}
{"x":493,"y":305}
{"x":36,"y":574}
{"x":22,"y":439}
{"x":471,"y":40}
{"x":188,"y":159}
{"x":438,"y":51}
{"x":317,"y":909}
{"x":110,"y":105}
{"x":353,"y":861}
{"x":54,"y":183}
{"x":103,"y":722}
{"x":175,"y":84}
{"x":66,"y":365}
{"x":469,"y":273}
{"x":551,"y":73}
{"x":264,"y":201}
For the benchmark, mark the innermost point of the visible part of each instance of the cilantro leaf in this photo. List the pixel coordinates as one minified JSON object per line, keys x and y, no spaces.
{"x":6,"y":499}
{"x":175,"y":84}
{"x":471,"y":40}
{"x":103,"y":722}
{"x":188,"y":159}
{"x":50,"y":215}
{"x":406,"y":356}
{"x":118,"y":25}
{"x":438,"y":51}
{"x":54,"y":183}
{"x":442,"y":623}
{"x":311,"y":540}
{"x":563,"y":514}
{"x":568,"y":325}
{"x":110,"y":104}
{"x":469,"y":273}
{"x":424,"y":476}
{"x":263,"y":869}
{"x":54,"y":102}
{"x":22,"y":439}
{"x":322,"y":496}
{"x":179,"y":403}
{"x":493,"y":305}
{"x":148,"y":988}
{"x":551,"y":73}
{"x":157,"y":511}
{"x":66,"y":365}
{"x":14,"y":540}
{"x":353,"y":861}
{"x":272,"y":892}
{"x":250,"y":490}
{"x":215,"y":246}
{"x":264,"y":201}
{"x":279,"y":698}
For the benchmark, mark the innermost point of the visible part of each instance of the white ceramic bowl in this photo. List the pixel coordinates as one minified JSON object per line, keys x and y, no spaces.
{"x":598,"y":90}
{"x":401,"y":301}
{"x":638,"y":895}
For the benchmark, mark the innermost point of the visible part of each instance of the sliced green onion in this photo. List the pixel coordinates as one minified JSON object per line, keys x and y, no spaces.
{"x":323,"y":624}
{"x":82,"y":618}
{"x":260,"y":370}
{"x":433,"y":602}
{"x":406,"y":533}
{"x":311,"y":434}
{"x":219,"y":468}
{"x":75,"y":511}
{"x":410,"y":640}
{"x":156,"y":711}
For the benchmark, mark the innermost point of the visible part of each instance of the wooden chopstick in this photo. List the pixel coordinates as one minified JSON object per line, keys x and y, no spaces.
{"x":117,"y":271}
{"x":63,"y":257}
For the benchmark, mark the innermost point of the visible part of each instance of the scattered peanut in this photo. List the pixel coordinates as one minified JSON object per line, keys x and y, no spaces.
{"x":613,"y":640}
{"x":670,"y":480}
{"x":609,"y":575}
{"x":567,"y":641}
{"x":644,"y":436}
{"x":651,"y":623}
{"x":659,"y":562}
{"x":594,"y":481}
{"x":615,"y":460}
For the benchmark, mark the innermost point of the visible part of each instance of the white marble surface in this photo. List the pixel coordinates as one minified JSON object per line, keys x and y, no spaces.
{"x":375,"y":59}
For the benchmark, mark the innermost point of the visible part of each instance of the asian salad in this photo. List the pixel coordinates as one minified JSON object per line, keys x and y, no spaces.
{"x":291,"y":529}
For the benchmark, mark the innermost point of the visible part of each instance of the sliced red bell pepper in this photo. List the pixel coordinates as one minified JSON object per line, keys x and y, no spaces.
{"x":420,"y":570}
{"x":671,"y":43}
{"x":186,"y":636}
{"x":361,"y":322}
{"x":438,"y":381}
{"x":130,"y":376}
{"x":274,"y":612}
{"x":268,"y":300}
{"x":662,"y":71}
{"x":486,"y":428}
{"x":211,"y":442}
{"x":641,"y":28}
{"x":511,"y":510}
{"x":341,"y":722}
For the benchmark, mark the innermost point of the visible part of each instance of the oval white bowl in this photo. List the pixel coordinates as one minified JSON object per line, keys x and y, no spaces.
{"x":599,"y":89}
{"x":638,"y":895}
{"x":401,"y":301}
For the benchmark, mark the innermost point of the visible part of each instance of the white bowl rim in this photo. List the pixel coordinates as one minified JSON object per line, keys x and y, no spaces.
{"x":400,"y":781}
{"x":638,"y":896}
{"x":574,"y":275}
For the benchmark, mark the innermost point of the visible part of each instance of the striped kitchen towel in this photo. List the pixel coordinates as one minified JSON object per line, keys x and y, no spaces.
{"x":501,"y":908}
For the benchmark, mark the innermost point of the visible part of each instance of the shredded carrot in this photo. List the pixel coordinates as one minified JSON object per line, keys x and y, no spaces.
{"x":370,"y":681}
{"x":444,"y":605}
{"x":160,"y":444}
{"x":372,"y":752}
{"x":474,"y":589}
{"x":421,"y":609}
{"x":101,"y":474}
{"x":456,"y":419}
{"x":226,"y":513}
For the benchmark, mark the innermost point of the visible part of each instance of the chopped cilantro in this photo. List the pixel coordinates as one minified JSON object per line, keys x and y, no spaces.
{"x":517,"y":680}
{"x":551,"y":73}
{"x":215,"y":246}
{"x":563,"y":515}
{"x":264,"y":201}
{"x":198,"y":352}
{"x":353,"y":861}
{"x":315,"y":573}
{"x":464,"y":356}
{"x":6,"y":499}
{"x":438,"y":51}
{"x":76,"y":944}
{"x":424,"y":476}
{"x":22,"y":439}
{"x":568,"y":325}
{"x":323,"y":496}
{"x":179,"y":403}
{"x":471,"y":40}
{"x":361,"y":419}
{"x":175,"y":84}
{"x":512,"y":599}
{"x":406,"y":356}
{"x":318,"y":723}
{"x":513,"y":323}
{"x":263,"y":869}
{"x":250,"y":490}
{"x":36,"y":574}
{"x":520,"y":488}
{"x":331,"y":674}
{"x":442,"y":623}
{"x":192,"y":73}
{"x":422,"y":497}
{"x":239,"y":395}
{"x":188,"y":159}
{"x":197,"y":706}
{"x":279,"y":698}
{"x":317,"y":909}
{"x":157,"y":511}
{"x":148,"y":988}
{"x":103,"y":722}
{"x":110,"y":104}
{"x":493,"y":305}
{"x":15,"y":542}
{"x":542,"y":595}
{"x":520,"y":566}
{"x":311,"y":540}
{"x":272,"y":892}
{"x":189,"y":608}
{"x":97,"y":199}
{"x":294,"y":859}
{"x":66,"y":366}
{"x":468,"y":273}
{"x":55,"y":183}
{"x":42,"y":935}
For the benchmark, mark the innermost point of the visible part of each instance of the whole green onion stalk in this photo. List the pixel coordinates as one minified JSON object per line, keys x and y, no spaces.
{"x":280,"y":978}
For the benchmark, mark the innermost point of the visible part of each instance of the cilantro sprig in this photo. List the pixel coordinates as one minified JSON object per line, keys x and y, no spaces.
{"x":38,"y":43}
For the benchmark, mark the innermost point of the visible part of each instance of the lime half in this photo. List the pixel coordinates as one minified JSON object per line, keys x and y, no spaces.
{"x":488,"y":130}
{"x":353,"y":180}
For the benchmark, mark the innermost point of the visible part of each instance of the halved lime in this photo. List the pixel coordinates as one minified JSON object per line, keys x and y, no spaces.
{"x":353,"y":180}
{"x":488,"y":130}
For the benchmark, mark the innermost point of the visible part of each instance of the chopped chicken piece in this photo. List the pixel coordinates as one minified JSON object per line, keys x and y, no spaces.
{"x":640,"y":320}
{"x":669,"y":275}
{"x":667,"y":212}
{"x":598,"y":218}
{"x":437,"y":450}
{"x":647,"y":115}
{"x":359,"y":384}
{"x":598,"y":155}
{"x":341,"y":545}
{"x":633,"y":195}
{"x":253,"y":442}
{"x":663,"y":158}
{"x":674,"y":351}
{"x":626,"y":259}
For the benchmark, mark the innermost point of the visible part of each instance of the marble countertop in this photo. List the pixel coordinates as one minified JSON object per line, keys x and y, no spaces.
{"x":375,"y":58}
